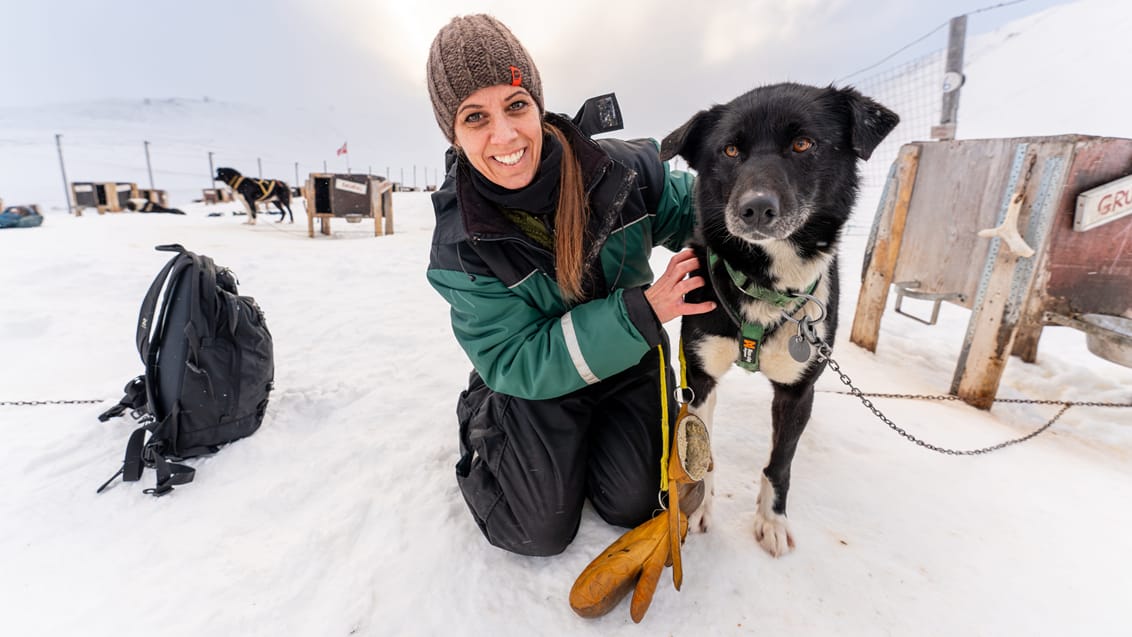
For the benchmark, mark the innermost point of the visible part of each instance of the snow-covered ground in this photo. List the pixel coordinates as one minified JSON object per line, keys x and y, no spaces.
{"x":341,"y":515}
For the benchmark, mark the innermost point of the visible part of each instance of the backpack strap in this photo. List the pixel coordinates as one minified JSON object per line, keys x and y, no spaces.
{"x":139,"y":455}
{"x":149,"y":303}
{"x":132,"y":466}
{"x":134,"y":399}
{"x":204,"y":292}
{"x":168,"y":474}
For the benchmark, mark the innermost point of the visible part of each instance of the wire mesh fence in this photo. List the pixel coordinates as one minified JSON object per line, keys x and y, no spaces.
{"x":912,"y":91}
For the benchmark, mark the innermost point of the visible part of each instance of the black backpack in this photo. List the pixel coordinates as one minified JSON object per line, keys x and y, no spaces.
{"x":209,"y":368}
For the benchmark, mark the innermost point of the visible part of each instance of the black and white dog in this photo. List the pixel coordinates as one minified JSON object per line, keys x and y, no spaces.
{"x":254,"y":191}
{"x":777,"y":180}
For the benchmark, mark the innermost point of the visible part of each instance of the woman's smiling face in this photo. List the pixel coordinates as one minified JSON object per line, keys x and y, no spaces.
{"x":500,"y":131}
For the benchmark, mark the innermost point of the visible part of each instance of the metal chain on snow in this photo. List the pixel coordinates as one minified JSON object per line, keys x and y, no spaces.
{"x":35,"y":403}
{"x":824,"y":352}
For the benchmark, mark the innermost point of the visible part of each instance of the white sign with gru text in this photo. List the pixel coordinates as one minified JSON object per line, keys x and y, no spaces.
{"x":1103,"y":204}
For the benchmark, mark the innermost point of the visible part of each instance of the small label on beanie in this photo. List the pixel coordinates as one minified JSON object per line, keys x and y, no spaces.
{"x":516,"y":76}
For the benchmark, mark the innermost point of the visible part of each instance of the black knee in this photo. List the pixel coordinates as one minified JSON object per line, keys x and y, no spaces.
{"x":529,"y":532}
{"x":542,"y":540}
{"x":626,"y":509}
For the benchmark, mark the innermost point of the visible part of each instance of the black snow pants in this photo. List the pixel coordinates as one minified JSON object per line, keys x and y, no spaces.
{"x":527,"y":466}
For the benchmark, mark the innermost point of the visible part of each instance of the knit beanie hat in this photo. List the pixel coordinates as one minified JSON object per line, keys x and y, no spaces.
{"x":474,"y":52}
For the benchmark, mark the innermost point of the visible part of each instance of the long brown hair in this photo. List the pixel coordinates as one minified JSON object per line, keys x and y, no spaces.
{"x":570,"y":222}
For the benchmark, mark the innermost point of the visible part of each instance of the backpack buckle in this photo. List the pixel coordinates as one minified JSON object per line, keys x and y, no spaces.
{"x":159,"y":490}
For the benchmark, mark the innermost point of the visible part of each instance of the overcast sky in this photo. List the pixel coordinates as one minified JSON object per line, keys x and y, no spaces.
{"x":365,"y":58}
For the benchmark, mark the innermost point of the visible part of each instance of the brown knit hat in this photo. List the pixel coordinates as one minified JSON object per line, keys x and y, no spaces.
{"x":473,"y":52}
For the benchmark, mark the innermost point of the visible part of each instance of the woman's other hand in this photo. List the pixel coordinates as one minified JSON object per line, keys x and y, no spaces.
{"x":666,"y":296}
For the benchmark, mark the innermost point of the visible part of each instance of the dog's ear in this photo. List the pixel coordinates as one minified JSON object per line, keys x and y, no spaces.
{"x":869,"y":122}
{"x":687,"y":141}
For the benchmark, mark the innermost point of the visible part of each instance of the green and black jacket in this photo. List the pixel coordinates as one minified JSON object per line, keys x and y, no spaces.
{"x":507,"y":311}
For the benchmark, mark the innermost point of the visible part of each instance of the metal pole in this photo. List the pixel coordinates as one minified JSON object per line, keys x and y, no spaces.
{"x":259,"y":162}
{"x":952,"y":79}
{"x":63,"y":169}
{"x":402,"y":175}
{"x":211,"y":171}
{"x":297,"y":174}
{"x":414,"y":175}
{"x":347,"y":163}
{"x":387,"y":173}
{"x":324,"y":166}
{"x":148,"y":165}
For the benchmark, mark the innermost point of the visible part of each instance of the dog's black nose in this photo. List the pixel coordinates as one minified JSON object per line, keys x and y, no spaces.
{"x":760,"y":209}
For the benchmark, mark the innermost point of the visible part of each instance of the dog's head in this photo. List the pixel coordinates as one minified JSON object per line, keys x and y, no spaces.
{"x":226,"y":174}
{"x":779,"y":159}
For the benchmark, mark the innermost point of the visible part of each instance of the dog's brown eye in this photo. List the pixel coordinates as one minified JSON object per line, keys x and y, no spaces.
{"x":802,"y":144}
{"x":731,"y":150}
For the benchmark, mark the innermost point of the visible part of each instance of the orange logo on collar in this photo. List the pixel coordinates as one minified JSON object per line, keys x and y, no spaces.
{"x":516,"y":76}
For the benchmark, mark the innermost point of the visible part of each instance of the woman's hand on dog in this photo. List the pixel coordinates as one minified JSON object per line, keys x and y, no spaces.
{"x":666,"y":296}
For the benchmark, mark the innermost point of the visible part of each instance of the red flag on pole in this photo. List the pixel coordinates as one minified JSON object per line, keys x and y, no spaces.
{"x":342,"y":150}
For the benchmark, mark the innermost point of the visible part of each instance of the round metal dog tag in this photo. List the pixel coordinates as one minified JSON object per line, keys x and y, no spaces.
{"x":799,"y":349}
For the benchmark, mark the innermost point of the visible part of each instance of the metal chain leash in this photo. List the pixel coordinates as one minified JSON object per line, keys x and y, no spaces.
{"x":34,"y":403}
{"x":824,"y":352}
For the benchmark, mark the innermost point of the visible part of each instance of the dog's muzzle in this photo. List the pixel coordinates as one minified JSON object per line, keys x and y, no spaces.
{"x":758,"y":216}
{"x":760,"y":211}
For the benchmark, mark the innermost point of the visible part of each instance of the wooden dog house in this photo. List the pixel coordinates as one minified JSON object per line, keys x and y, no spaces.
{"x":989,"y":225}
{"x":102,"y":196}
{"x":216,"y":195}
{"x":350,"y":197}
{"x":159,"y":197}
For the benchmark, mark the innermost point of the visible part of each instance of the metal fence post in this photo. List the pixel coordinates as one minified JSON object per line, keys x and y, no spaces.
{"x":952,"y":80}
{"x":148,"y":165}
{"x":63,"y":169}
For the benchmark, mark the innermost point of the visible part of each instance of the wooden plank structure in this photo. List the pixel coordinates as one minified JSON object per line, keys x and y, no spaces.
{"x":989,"y":225}
{"x":102,"y":196}
{"x":153,"y":195}
{"x":216,"y":195}
{"x":351,"y":197}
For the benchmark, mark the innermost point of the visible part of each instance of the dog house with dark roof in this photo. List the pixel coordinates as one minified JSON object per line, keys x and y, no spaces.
{"x":152,"y":195}
{"x":216,"y":195}
{"x":102,"y":196}
{"x":351,"y":197}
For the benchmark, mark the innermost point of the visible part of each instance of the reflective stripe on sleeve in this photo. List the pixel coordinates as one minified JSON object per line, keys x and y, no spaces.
{"x":575,"y":350}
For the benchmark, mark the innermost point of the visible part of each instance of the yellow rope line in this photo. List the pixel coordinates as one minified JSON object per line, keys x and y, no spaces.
{"x":664,"y":418}
{"x":683,"y":367}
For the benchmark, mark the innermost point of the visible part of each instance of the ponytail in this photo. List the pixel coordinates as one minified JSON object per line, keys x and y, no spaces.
{"x":570,"y":223}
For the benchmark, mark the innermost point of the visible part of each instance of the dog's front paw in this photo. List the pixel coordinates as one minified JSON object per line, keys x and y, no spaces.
{"x":773,"y":534}
{"x":700,"y":519}
{"x":771,"y":529}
